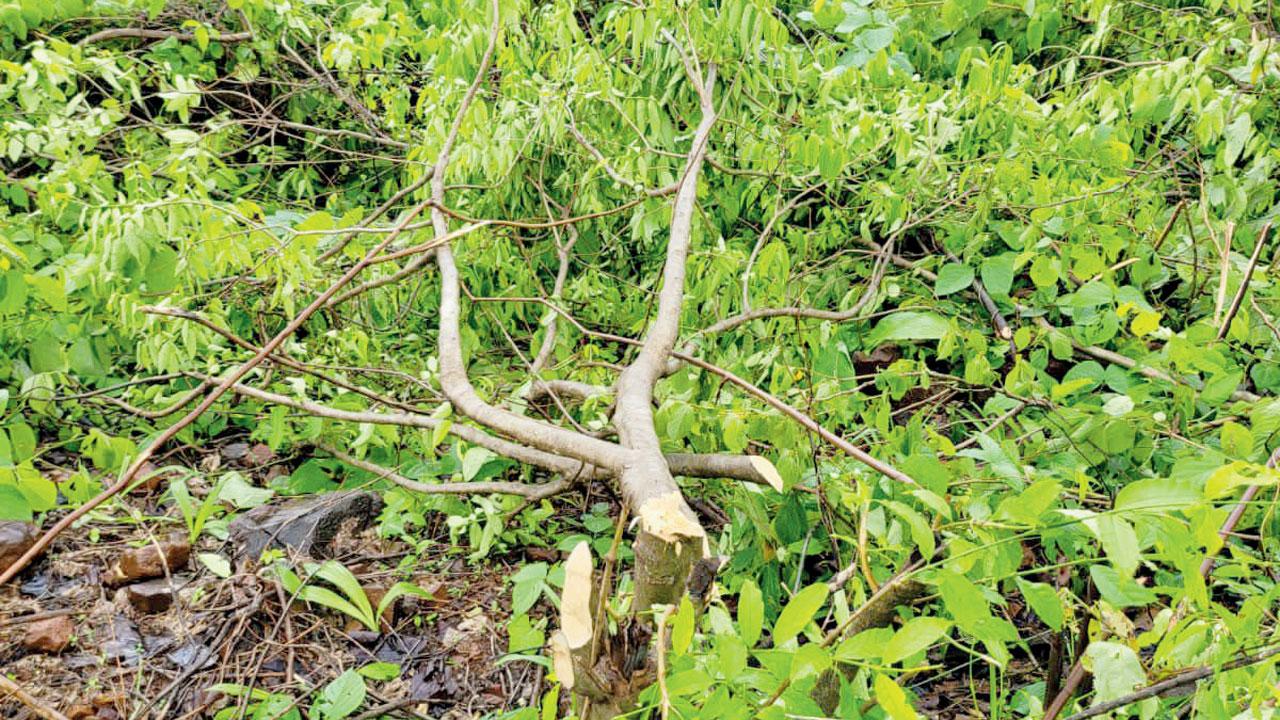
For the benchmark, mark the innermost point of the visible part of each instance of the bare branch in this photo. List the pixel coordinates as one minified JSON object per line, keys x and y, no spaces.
{"x":611,"y":172}
{"x":148,"y":34}
{"x":453,"y":372}
{"x":565,"y":388}
{"x":1244,"y":282}
{"x":520,"y":453}
{"x":532,"y":493}
{"x":760,"y":242}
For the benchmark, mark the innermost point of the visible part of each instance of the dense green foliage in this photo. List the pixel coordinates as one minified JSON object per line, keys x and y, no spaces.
{"x":1103,"y":169}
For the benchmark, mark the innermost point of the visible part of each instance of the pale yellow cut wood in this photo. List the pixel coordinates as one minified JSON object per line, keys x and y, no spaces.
{"x":666,"y":518}
{"x":767,"y":471}
{"x":561,"y":659}
{"x":575,"y":604}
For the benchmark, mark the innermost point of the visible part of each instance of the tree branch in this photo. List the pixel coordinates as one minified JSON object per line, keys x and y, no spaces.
{"x":453,"y":372}
{"x":532,"y":493}
{"x":148,"y":34}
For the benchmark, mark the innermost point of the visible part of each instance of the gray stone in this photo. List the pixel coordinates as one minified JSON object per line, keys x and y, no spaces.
{"x":15,"y":539}
{"x":306,"y":525}
{"x":155,"y":559}
{"x":148,"y":598}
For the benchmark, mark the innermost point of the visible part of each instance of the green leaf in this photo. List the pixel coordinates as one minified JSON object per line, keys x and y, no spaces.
{"x":1236,"y":440}
{"x":1119,"y":542}
{"x":380,"y":671}
{"x":952,"y":278}
{"x":527,"y":587}
{"x":523,"y":636}
{"x":1119,"y":590}
{"x":217,"y":564}
{"x":908,"y":325}
{"x":474,"y":459}
{"x":1157,"y":495}
{"x":916,"y":635}
{"x":1116,"y":670}
{"x":866,"y":645}
{"x":962,"y":599}
{"x":1235,"y":474}
{"x":13,"y":504}
{"x":1044,"y":601}
{"x":682,"y":627}
{"x":893,"y":699}
{"x":997,"y":273}
{"x":921,"y":532}
{"x":340,"y":698}
{"x":1237,"y":134}
{"x":750,"y":613}
{"x":799,"y":612}
{"x":235,"y":489}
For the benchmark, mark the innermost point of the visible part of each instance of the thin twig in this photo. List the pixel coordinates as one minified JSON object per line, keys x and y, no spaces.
{"x":532,"y":492}
{"x":11,"y":689}
{"x":1237,"y":512}
{"x":1173,"y":683}
{"x":149,"y":34}
{"x":1244,"y":283}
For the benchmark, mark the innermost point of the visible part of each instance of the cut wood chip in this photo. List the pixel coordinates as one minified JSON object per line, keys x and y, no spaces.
{"x":667,"y":518}
{"x":575,"y":605}
{"x":561,"y":659}
{"x":767,"y":471}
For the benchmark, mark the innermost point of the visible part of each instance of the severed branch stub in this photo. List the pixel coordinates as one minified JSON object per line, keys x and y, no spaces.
{"x":570,"y":646}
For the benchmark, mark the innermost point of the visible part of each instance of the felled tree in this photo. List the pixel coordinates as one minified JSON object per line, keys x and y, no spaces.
{"x":669,"y":542}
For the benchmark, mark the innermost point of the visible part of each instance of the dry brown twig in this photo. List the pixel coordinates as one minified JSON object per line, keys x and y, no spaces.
{"x":11,"y":689}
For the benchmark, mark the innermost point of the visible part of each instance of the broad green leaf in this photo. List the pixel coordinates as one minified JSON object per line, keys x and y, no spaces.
{"x":952,"y":278}
{"x":1044,"y":601}
{"x":13,"y":504}
{"x":523,"y":636}
{"x":1119,"y":541}
{"x":1120,"y":590}
{"x":892,"y":699}
{"x":474,"y":459}
{"x":921,"y":532}
{"x":750,"y":613}
{"x":340,"y":698}
{"x":909,"y":325}
{"x":682,"y":626}
{"x":1116,"y":671}
{"x":1238,"y":473}
{"x":799,"y":612}
{"x":997,"y":273}
{"x":866,"y":645}
{"x":1157,"y":495}
{"x":916,"y":635}
{"x":962,"y":599}
{"x":217,"y":564}
{"x":1236,"y":440}
{"x":380,"y":671}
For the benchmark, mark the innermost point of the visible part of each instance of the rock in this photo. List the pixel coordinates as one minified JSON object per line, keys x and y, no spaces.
{"x":51,"y":635}
{"x":151,"y":560}
{"x":15,"y":539}
{"x":234,"y":451}
{"x":148,"y":598}
{"x":123,"y":644}
{"x":153,"y":478}
{"x":191,"y":655}
{"x":108,"y":705}
{"x":306,"y":525}
{"x":258,"y":455}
